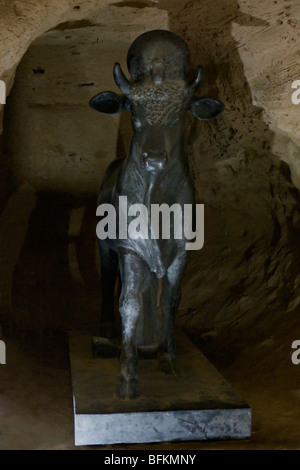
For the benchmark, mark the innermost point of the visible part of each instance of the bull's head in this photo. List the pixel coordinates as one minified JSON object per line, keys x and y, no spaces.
{"x":158,"y":62}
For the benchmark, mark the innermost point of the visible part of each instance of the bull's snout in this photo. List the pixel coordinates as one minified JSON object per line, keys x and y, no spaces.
{"x":154,"y":161}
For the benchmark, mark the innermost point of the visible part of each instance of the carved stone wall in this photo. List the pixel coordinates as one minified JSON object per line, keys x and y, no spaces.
{"x":246,"y":164}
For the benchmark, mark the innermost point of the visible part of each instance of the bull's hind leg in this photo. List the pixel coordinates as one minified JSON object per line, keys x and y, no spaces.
{"x":102,"y":345}
{"x":169,"y":303}
{"x":134,"y":272}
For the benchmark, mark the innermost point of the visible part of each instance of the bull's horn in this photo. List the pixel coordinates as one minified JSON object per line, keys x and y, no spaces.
{"x":121,"y":80}
{"x":194,"y":84}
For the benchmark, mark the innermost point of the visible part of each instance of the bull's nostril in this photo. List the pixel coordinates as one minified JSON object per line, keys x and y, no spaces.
{"x":154,"y":161}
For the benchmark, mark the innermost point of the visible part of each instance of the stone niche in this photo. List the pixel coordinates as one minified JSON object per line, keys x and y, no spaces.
{"x":240,"y":299}
{"x":245,"y":164}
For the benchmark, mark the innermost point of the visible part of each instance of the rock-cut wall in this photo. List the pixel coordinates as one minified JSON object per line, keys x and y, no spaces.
{"x":246,"y":163}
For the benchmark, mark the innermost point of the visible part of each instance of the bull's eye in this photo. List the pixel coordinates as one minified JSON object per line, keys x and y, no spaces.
{"x":136,"y":123}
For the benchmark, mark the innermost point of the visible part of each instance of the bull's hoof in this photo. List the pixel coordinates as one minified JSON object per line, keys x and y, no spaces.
{"x":128,"y":389}
{"x":104,"y":348}
{"x":168,"y":365}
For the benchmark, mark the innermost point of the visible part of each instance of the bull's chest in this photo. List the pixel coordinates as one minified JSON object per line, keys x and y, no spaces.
{"x":147,"y":205}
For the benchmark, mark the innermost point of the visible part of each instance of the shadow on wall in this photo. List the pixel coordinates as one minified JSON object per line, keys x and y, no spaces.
{"x":49,"y":276}
{"x":55,"y":279}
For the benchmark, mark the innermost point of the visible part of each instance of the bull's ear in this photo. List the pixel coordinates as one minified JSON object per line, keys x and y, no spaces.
{"x":206,"y":108}
{"x":109,"y":102}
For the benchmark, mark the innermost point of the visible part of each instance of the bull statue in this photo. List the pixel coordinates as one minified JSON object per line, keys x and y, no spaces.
{"x":155,"y":171}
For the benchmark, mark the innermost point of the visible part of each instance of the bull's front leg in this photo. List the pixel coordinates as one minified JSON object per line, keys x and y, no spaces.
{"x":133,"y":271}
{"x":169,"y":303}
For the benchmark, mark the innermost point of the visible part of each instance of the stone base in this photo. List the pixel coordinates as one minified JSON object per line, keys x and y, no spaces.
{"x":197,"y":405}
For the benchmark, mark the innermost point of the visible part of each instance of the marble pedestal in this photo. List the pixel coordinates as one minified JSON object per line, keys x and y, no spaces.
{"x":197,"y":405}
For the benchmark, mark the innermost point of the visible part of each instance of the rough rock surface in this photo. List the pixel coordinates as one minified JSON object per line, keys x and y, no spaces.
{"x":241,"y":291}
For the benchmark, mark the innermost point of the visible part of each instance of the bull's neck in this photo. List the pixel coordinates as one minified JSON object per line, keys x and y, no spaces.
{"x":144,"y":182}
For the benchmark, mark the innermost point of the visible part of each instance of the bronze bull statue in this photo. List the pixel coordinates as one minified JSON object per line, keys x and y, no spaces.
{"x":155,"y":171}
